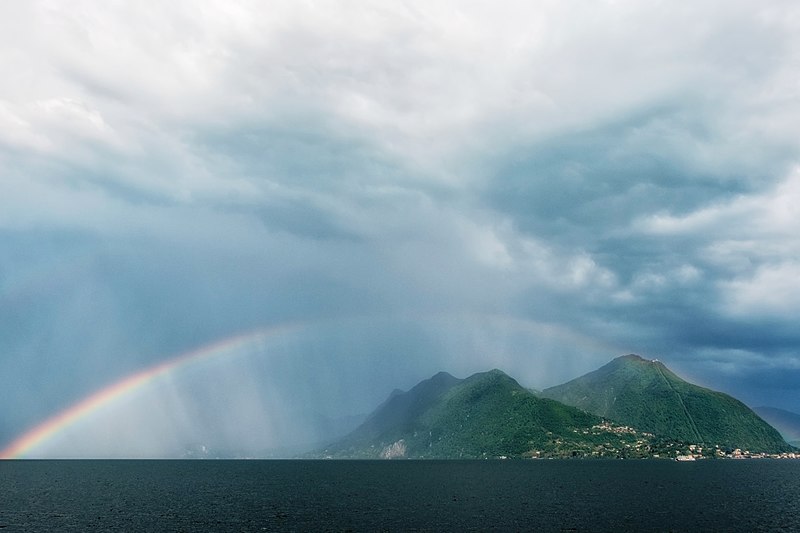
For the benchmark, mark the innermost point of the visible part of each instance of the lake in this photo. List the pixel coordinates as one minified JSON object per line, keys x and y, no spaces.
{"x":558,"y":495}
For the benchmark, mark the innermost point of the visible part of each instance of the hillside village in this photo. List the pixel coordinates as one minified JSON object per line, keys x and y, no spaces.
{"x":630,"y":408}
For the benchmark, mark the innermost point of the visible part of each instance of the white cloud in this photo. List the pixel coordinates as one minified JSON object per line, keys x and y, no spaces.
{"x":17,"y":132}
{"x":750,"y":243}
{"x":55,"y":126}
{"x":772,"y":290}
{"x":426,"y":80}
{"x":125,"y":90}
{"x":760,"y":227}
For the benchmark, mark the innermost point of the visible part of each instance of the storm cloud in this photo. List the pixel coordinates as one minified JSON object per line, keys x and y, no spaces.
{"x":425,"y":186}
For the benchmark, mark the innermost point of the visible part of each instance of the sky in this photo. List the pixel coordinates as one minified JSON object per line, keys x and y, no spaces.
{"x":367,"y":193}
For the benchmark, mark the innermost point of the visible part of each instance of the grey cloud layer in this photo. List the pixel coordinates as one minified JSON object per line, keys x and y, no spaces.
{"x":562,"y":180}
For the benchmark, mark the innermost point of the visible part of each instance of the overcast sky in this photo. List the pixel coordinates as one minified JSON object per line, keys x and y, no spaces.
{"x":422,"y":186}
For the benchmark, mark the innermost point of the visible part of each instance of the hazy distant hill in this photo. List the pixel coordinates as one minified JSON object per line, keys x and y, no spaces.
{"x":647,"y":395}
{"x":787,"y":422}
{"x":486,"y":415}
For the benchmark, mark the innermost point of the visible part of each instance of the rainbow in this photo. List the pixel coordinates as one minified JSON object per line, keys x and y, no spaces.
{"x":26,"y":443}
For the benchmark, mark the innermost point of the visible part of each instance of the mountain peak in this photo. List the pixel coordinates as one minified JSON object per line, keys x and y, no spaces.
{"x":487,"y":414}
{"x":441,"y":376}
{"x":495,"y":372}
{"x":495,"y":377}
{"x":636,"y":358}
{"x":645,"y":394}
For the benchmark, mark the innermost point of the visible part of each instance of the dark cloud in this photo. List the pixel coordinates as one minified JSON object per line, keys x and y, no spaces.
{"x":529,"y":188}
{"x":598,"y":181}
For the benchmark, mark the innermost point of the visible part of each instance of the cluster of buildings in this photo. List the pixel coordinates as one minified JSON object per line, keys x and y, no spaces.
{"x":696,"y":452}
{"x":608,"y":427}
{"x":747,"y":454}
{"x":645,"y":446}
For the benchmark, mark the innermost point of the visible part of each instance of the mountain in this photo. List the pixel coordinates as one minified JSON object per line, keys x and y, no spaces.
{"x":485,"y":415}
{"x":786,"y":422}
{"x":647,"y":395}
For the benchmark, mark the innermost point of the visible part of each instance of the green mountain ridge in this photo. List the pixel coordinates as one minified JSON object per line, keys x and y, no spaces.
{"x":645,"y":394}
{"x":485,"y":415}
{"x":630,"y":407}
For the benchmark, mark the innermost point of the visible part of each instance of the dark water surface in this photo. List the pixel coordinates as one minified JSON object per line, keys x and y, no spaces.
{"x":758,"y":495}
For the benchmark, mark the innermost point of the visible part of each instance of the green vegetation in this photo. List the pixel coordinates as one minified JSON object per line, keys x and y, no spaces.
{"x":646,"y":395}
{"x":490,"y":414}
{"x":486,"y":415}
{"x":629,"y":408}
